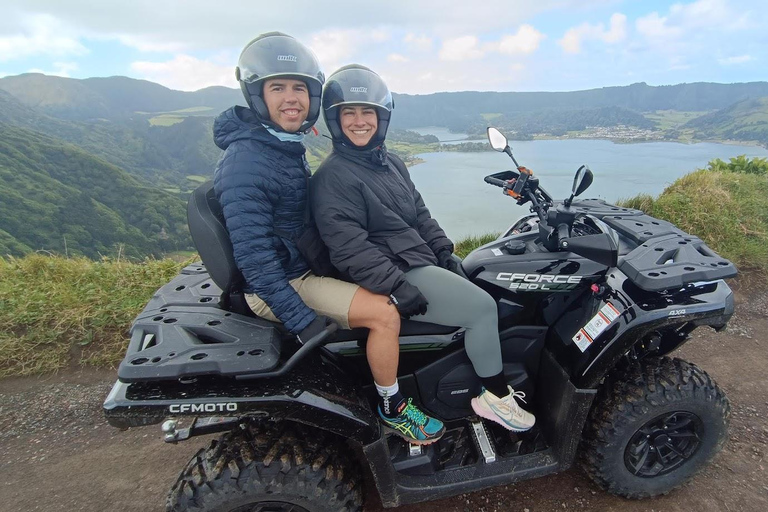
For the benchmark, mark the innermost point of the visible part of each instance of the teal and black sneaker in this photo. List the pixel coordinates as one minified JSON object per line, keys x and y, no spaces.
{"x":413,"y":425}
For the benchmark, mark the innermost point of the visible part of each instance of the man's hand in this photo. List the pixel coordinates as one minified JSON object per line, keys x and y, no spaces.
{"x":446,"y":260}
{"x":315,"y":327}
{"x":408,"y":300}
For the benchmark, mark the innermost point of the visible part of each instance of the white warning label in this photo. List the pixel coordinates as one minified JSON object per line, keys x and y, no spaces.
{"x":582,"y":340}
{"x":597,"y":324}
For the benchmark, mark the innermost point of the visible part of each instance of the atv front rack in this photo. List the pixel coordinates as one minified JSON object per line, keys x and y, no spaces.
{"x":662,"y":256}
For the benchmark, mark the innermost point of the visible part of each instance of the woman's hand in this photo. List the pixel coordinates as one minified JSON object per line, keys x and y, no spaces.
{"x":408,"y":300}
{"x":446,"y":260}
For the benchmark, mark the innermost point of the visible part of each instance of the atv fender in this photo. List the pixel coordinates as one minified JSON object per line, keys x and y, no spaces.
{"x":710,"y":304}
{"x":317,"y":394}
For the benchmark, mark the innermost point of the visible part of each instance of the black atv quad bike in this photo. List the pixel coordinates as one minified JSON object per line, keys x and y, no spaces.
{"x":591,"y":298}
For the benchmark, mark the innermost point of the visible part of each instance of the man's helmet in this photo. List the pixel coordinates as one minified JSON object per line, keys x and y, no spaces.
{"x":278,"y":55}
{"x":356,"y":85}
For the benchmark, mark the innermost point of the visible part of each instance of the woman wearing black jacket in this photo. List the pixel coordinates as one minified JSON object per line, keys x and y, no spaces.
{"x":381,"y":236}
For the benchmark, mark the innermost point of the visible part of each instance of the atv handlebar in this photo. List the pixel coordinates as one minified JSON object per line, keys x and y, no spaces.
{"x":495,"y":181}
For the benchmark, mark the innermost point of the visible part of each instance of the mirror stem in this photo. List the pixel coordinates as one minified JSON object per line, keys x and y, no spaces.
{"x":508,"y":151}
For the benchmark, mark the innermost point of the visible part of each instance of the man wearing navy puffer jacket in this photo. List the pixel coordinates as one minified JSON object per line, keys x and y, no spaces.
{"x":261,"y":182}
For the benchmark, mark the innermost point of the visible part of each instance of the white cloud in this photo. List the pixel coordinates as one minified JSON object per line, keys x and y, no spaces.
{"x":461,"y":48}
{"x":741,"y":59}
{"x":421,"y":42}
{"x":186,"y":73}
{"x":335,"y":48}
{"x":396,"y":57}
{"x":526,"y":40}
{"x":39,"y":34}
{"x":683,"y":20}
{"x":617,"y":31}
{"x":151,"y":45}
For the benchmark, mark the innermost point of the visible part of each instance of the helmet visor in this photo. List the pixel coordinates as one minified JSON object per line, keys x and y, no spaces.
{"x":357,"y":86}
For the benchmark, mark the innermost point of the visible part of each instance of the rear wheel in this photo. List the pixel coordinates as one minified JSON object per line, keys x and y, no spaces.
{"x":275,"y":469}
{"x":653,"y":426}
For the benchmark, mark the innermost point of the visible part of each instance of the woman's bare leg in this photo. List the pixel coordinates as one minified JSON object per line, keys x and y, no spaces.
{"x":382,"y":319}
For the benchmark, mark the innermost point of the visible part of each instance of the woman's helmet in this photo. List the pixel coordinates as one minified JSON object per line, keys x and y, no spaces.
{"x":278,"y":55}
{"x":356,"y":85}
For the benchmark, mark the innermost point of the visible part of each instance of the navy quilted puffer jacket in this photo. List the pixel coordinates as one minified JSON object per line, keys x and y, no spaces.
{"x":261,"y":183}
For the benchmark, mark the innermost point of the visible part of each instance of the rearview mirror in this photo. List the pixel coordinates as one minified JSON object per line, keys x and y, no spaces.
{"x":582,"y":180}
{"x":497,"y":139}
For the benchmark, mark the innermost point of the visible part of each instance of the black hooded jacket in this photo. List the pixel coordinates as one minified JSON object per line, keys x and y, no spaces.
{"x":372,"y":218}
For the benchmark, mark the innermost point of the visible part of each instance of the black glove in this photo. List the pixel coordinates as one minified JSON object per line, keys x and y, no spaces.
{"x":446,"y":260}
{"x":315,"y":327}
{"x":408,"y":300}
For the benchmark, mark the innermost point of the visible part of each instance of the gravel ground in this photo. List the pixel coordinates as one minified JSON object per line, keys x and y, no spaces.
{"x":60,"y":454}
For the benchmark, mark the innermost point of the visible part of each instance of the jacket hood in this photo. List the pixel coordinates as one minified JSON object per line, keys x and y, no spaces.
{"x":233,"y":124}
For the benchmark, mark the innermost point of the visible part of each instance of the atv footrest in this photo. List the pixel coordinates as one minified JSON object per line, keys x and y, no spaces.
{"x":177,"y":342}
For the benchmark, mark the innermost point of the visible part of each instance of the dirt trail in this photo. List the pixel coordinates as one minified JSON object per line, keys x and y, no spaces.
{"x":58,"y":453}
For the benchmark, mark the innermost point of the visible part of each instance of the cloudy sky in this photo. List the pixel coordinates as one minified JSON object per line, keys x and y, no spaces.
{"x":417,"y":46}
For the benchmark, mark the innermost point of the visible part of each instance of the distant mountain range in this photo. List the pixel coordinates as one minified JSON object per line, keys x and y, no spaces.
{"x":106,"y":163}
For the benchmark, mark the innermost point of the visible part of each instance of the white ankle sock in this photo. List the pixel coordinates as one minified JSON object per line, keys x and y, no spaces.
{"x":386,"y":391}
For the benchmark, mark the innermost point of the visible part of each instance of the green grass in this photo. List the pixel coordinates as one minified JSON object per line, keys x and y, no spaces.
{"x":672,"y":119}
{"x":197,"y":178}
{"x":724,"y":205}
{"x":469,"y":244}
{"x":165,"y":120}
{"x":56,"y":311}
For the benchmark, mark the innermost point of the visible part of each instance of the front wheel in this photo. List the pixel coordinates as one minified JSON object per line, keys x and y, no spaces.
{"x":654,"y":426}
{"x":269,"y":469}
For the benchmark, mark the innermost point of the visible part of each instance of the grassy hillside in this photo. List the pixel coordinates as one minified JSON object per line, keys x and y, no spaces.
{"x":160,"y":155}
{"x":112,"y":98}
{"x":56,"y":197}
{"x":56,"y":311}
{"x":744,"y":120}
{"x":725,"y":204}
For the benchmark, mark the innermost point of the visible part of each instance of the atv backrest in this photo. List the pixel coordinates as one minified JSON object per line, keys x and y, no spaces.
{"x":210,"y":236}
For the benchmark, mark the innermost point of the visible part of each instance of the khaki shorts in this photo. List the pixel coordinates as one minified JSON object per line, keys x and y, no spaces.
{"x":326,"y":295}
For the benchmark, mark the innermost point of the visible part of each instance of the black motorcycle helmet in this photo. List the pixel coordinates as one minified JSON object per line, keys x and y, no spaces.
{"x":278,"y":55}
{"x":356,"y":85}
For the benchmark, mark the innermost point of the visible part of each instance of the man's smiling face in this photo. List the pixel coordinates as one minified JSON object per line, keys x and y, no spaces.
{"x":287,"y":101}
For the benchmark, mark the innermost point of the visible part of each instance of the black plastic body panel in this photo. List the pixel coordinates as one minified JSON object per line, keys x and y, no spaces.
{"x":672,"y":261}
{"x":561,"y":406}
{"x":656,"y":254}
{"x":176,"y":341}
{"x":317,"y":394}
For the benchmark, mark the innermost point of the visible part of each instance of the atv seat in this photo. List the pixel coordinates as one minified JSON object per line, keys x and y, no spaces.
{"x":210,"y":236}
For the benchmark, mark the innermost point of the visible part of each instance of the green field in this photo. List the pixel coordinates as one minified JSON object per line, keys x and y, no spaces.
{"x":165,"y":120}
{"x":671,"y":119}
{"x":176,"y":116}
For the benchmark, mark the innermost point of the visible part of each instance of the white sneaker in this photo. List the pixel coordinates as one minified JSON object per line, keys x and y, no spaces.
{"x":504,"y":411}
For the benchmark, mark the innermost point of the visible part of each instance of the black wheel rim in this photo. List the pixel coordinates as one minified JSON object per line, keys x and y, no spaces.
{"x":271,"y":506}
{"x":664,"y":444}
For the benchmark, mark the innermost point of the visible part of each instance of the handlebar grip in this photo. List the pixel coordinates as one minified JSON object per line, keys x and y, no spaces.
{"x":562,"y":233}
{"x":495,"y":181}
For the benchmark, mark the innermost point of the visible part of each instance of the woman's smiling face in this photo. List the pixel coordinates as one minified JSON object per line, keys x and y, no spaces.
{"x":358,"y":123}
